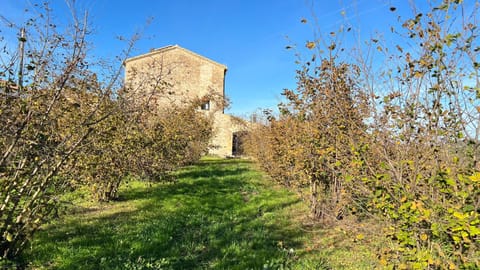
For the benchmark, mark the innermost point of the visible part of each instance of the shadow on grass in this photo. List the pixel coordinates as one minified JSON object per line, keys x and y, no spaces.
{"x":219,"y":215}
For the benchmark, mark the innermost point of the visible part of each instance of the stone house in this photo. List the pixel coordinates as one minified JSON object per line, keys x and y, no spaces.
{"x":173,"y":74}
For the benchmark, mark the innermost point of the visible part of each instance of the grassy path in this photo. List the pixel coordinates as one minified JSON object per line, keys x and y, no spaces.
{"x":221,"y":214}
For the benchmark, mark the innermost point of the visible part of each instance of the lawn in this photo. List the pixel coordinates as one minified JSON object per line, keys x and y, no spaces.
{"x":220,"y":214}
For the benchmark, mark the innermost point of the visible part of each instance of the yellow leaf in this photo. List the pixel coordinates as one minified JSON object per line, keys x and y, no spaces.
{"x":460,"y":215}
{"x":418,"y":74}
{"x":423,"y":62}
{"x":360,"y":236}
{"x":423,"y":237}
{"x":9,"y":237}
{"x":427,"y":213}
{"x":310,"y":45}
{"x":413,"y":206}
{"x":475,"y":177}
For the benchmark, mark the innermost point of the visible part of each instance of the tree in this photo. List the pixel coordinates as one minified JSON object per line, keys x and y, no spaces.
{"x":398,"y":140}
{"x":43,"y":126}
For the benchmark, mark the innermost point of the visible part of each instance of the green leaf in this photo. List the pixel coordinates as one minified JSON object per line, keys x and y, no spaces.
{"x":451,"y":182}
{"x":468,"y":208}
{"x":474,"y":231}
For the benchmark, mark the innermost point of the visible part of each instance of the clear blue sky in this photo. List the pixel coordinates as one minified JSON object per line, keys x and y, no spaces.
{"x":248,"y":36}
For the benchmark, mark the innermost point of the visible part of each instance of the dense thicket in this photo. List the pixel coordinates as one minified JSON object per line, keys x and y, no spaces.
{"x":397,"y":143}
{"x":62,"y":126}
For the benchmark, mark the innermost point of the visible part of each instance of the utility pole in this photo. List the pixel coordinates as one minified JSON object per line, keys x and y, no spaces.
{"x":22,"y":40}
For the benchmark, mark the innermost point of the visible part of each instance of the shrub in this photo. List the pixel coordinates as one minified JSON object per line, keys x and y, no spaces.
{"x":398,"y":143}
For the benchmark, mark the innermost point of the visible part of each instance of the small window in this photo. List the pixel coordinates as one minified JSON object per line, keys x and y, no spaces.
{"x":205,"y":106}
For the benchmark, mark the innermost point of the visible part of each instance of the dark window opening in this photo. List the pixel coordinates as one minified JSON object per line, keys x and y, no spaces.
{"x":205,"y":106}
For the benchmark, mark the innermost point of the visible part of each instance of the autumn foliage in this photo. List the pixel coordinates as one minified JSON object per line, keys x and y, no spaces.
{"x":397,"y":144}
{"x":64,"y":127}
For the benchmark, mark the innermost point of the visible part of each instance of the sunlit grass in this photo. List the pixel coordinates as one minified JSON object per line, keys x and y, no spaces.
{"x":221,"y":214}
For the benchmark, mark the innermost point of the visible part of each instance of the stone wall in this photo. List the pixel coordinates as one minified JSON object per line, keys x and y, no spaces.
{"x":174,"y":75}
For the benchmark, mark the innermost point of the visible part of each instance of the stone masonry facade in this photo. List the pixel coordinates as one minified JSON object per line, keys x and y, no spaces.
{"x":176,"y":75}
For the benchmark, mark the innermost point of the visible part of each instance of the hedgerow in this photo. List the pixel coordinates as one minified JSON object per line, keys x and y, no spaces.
{"x":397,"y":143}
{"x":64,"y":126}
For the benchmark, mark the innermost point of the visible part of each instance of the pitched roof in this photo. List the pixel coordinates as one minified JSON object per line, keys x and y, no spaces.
{"x":173,"y":47}
{"x":9,"y":84}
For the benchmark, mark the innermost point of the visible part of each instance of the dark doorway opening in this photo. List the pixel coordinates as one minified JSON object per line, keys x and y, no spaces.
{"x":237,"y":143}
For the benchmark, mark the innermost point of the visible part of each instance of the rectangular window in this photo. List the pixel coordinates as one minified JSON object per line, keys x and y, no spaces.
{"x":205,"y":106}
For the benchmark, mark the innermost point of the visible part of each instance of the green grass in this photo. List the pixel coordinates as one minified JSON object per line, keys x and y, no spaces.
{"x":221,"y":214}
